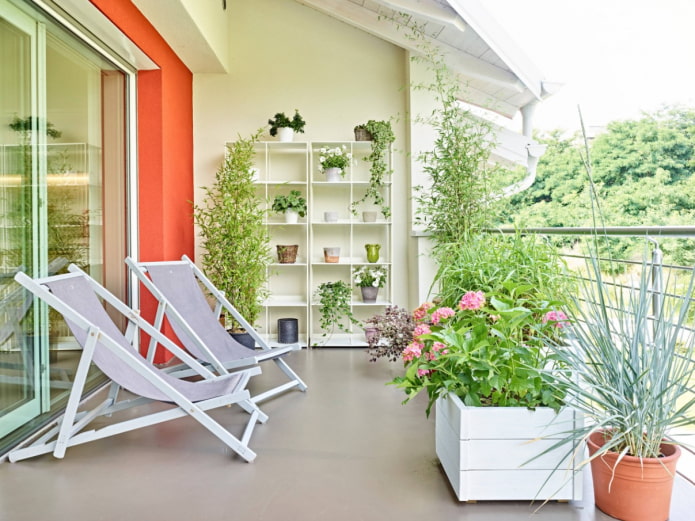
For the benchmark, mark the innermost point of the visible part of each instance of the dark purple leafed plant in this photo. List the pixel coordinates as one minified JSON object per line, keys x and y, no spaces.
{"x":393,"y":332}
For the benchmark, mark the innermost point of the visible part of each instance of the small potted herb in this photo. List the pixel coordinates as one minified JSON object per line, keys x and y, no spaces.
{"x":292,"y":205}
{"x":284,"y":127}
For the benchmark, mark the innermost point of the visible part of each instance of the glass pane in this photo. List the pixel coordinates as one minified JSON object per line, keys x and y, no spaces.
{"x":18,"y":367}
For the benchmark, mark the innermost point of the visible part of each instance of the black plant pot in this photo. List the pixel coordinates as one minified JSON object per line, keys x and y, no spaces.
{"x":288,"y":331}
{"x":245,"y":339}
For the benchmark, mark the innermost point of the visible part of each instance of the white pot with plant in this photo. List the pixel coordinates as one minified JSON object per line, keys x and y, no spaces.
{"x":292,"y":206}
{"x":285,"y":128}
{"x":333,"y":162}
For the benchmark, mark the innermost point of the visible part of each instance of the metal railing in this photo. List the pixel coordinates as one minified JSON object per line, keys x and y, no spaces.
{"x":653,"y":235}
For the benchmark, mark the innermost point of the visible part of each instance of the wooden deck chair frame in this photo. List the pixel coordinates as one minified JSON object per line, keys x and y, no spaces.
{"x":70,"y":428}
{"x":266,"y":352}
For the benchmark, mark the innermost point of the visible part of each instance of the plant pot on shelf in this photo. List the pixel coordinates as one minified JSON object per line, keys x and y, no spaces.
{"x":288,"y":330}
{"x":369,"y":216}
{"x":362,"y":134}
{"x":285,"y":134}
{"x":287,"y":253}
{"x":333,"y":175}
{"x":369,"y":294}
{"x":372,"y":252}
{"x":331,"y":254}
{"x":485,"y":451}
{"x":370,"y":333}
{"x":330,"y":217}
{"x":291,"y":217}
{"x":635,"y":489}
{"x":245,"y":339}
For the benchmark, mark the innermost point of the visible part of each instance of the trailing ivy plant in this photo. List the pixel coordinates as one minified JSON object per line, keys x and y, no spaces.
{"x":334,"y":305}
{"x":382,"y":137}
{"x":235,"y":240}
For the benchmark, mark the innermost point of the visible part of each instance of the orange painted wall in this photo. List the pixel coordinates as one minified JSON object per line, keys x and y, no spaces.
{"x":165,"y":143}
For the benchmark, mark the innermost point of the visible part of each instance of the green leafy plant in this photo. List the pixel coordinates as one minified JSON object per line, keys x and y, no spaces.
{"x":368,"y":276}
{"x":336,"y":157}
{"x":235,"y":240}
{"x":293,"y":201}
{"x":334,"y":304}
{"x":280,"y":120}
{"x":382,"y":137}
{"x":490,"y":351}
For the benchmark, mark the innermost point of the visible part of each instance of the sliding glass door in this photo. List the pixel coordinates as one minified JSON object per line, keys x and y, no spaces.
{"x":62,"y":198}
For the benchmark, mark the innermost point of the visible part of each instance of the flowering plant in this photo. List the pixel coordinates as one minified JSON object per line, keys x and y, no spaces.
{"x":490,"y":350}
{"x":366,"y":276}
{"x":337,"y":157}
{"x":392,"y":333}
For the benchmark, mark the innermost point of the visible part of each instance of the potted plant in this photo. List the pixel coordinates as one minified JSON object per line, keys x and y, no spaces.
{"x":333,"y":299}
{"x":284,"y":127}
{"x":480,"y":354}
{"x":391,"y":332}
{"x":381,"y":136}
{"x":292,"y":205}
{"x":235,"y":240}
{"x":369,"y":279}
{"x":629,"y":372}
{"x":334,"y":161}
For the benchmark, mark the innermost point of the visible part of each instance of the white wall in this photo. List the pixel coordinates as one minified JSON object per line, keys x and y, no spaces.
{"x":284,"y":56}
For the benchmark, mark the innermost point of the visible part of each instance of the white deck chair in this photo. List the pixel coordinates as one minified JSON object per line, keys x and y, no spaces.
{"x":175,"y":284}
{"x":77,"y":297}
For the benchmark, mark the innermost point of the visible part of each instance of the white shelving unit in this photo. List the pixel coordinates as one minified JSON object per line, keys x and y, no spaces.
{"x":295,"y":166}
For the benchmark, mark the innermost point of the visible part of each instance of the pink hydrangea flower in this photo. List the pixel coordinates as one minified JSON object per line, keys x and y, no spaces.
{"x":439,"y":346}
{"x":472,"y":300}
{"x":494,"y":318}
{"x":423,"y":372}
{"x":558,"y":318}
{"x":421,"y":329}
{"x":442,"y":313}
{"x":429,"y":355}
{"x":421,"y":312}
{"x":413,"y":350}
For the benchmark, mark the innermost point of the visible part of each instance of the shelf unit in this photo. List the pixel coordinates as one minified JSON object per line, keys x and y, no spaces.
{"x":281,"y":167}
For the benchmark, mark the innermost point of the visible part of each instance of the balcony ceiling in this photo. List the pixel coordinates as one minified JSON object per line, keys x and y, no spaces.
{"x":494,"y":72}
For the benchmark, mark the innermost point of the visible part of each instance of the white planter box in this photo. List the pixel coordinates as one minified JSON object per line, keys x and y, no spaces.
{"x":482,"y":450}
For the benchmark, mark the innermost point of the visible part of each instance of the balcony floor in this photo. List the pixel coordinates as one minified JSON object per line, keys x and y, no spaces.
{"x":345,"y":450}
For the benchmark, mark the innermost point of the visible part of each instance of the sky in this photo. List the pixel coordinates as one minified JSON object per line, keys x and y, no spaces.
{"x":616,"y":58}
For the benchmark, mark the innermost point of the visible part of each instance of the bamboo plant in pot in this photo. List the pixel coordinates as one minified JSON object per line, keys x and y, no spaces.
{"x":235,"y":240}
{"x":629,"y":371}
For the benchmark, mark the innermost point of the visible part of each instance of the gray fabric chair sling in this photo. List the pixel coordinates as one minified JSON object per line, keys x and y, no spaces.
{"x":177,"y":287}
{"x":77,"y":297}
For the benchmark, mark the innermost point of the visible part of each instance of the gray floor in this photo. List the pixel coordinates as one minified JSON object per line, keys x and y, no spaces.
{"x":345,"y":450}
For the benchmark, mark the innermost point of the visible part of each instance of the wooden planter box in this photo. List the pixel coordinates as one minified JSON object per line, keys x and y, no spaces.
{"x":482,"y":450}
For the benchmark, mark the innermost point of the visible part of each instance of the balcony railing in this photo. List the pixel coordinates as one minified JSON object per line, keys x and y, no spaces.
{"x":661,"y":267}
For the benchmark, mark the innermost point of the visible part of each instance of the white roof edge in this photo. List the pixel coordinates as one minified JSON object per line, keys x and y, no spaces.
{"x":485,"y":25}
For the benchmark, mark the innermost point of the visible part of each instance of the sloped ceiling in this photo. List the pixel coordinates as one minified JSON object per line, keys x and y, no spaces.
{"x":494,"y":72}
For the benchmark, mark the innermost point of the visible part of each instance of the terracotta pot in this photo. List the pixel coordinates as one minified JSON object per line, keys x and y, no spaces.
{"x":331,"y":254}
{"x":638,"y":490}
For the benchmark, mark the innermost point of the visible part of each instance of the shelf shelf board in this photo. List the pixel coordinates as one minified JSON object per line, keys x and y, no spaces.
{"x":288,"y":264}
{"x":283,"y":223}
{"x":278,"y":301}
{"x":280,"y":183}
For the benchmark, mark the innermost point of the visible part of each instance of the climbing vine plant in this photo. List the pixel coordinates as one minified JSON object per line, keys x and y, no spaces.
{"x":382,"y":137}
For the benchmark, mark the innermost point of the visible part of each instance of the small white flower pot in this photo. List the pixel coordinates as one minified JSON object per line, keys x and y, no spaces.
{"x":285,"y":134}
{"x":330,"y":217}
{"x":291,"y":217}
{"x":369,"y":216}
{"x":333,"y":174}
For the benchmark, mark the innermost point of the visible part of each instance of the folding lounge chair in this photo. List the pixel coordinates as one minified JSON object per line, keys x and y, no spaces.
{"x":76,"y":296}
{"x":176,"y":285}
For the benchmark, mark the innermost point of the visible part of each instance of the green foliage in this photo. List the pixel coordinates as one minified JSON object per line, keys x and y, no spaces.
{"x":643,"y":174}
{"x":629,"y":371}
{"x":369,"y":276}
{"x":458,"y":197}
{"x":280,"y":120}
{"x":235,"y":240}
{"x":292,"y":201}
{"x":334,"y":305}
{"x":489,"y":353}
{"x":26,"y":125}
{"x":382,"y":137}
{"x":490,"y":261}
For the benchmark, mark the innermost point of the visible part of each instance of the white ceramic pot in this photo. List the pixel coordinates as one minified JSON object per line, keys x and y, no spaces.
{"x":330,"y":217}
{"x":369,"y":216}
{"x":291,"y":217}
{"x":333,"y":174}
{"x":285,"y":134}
